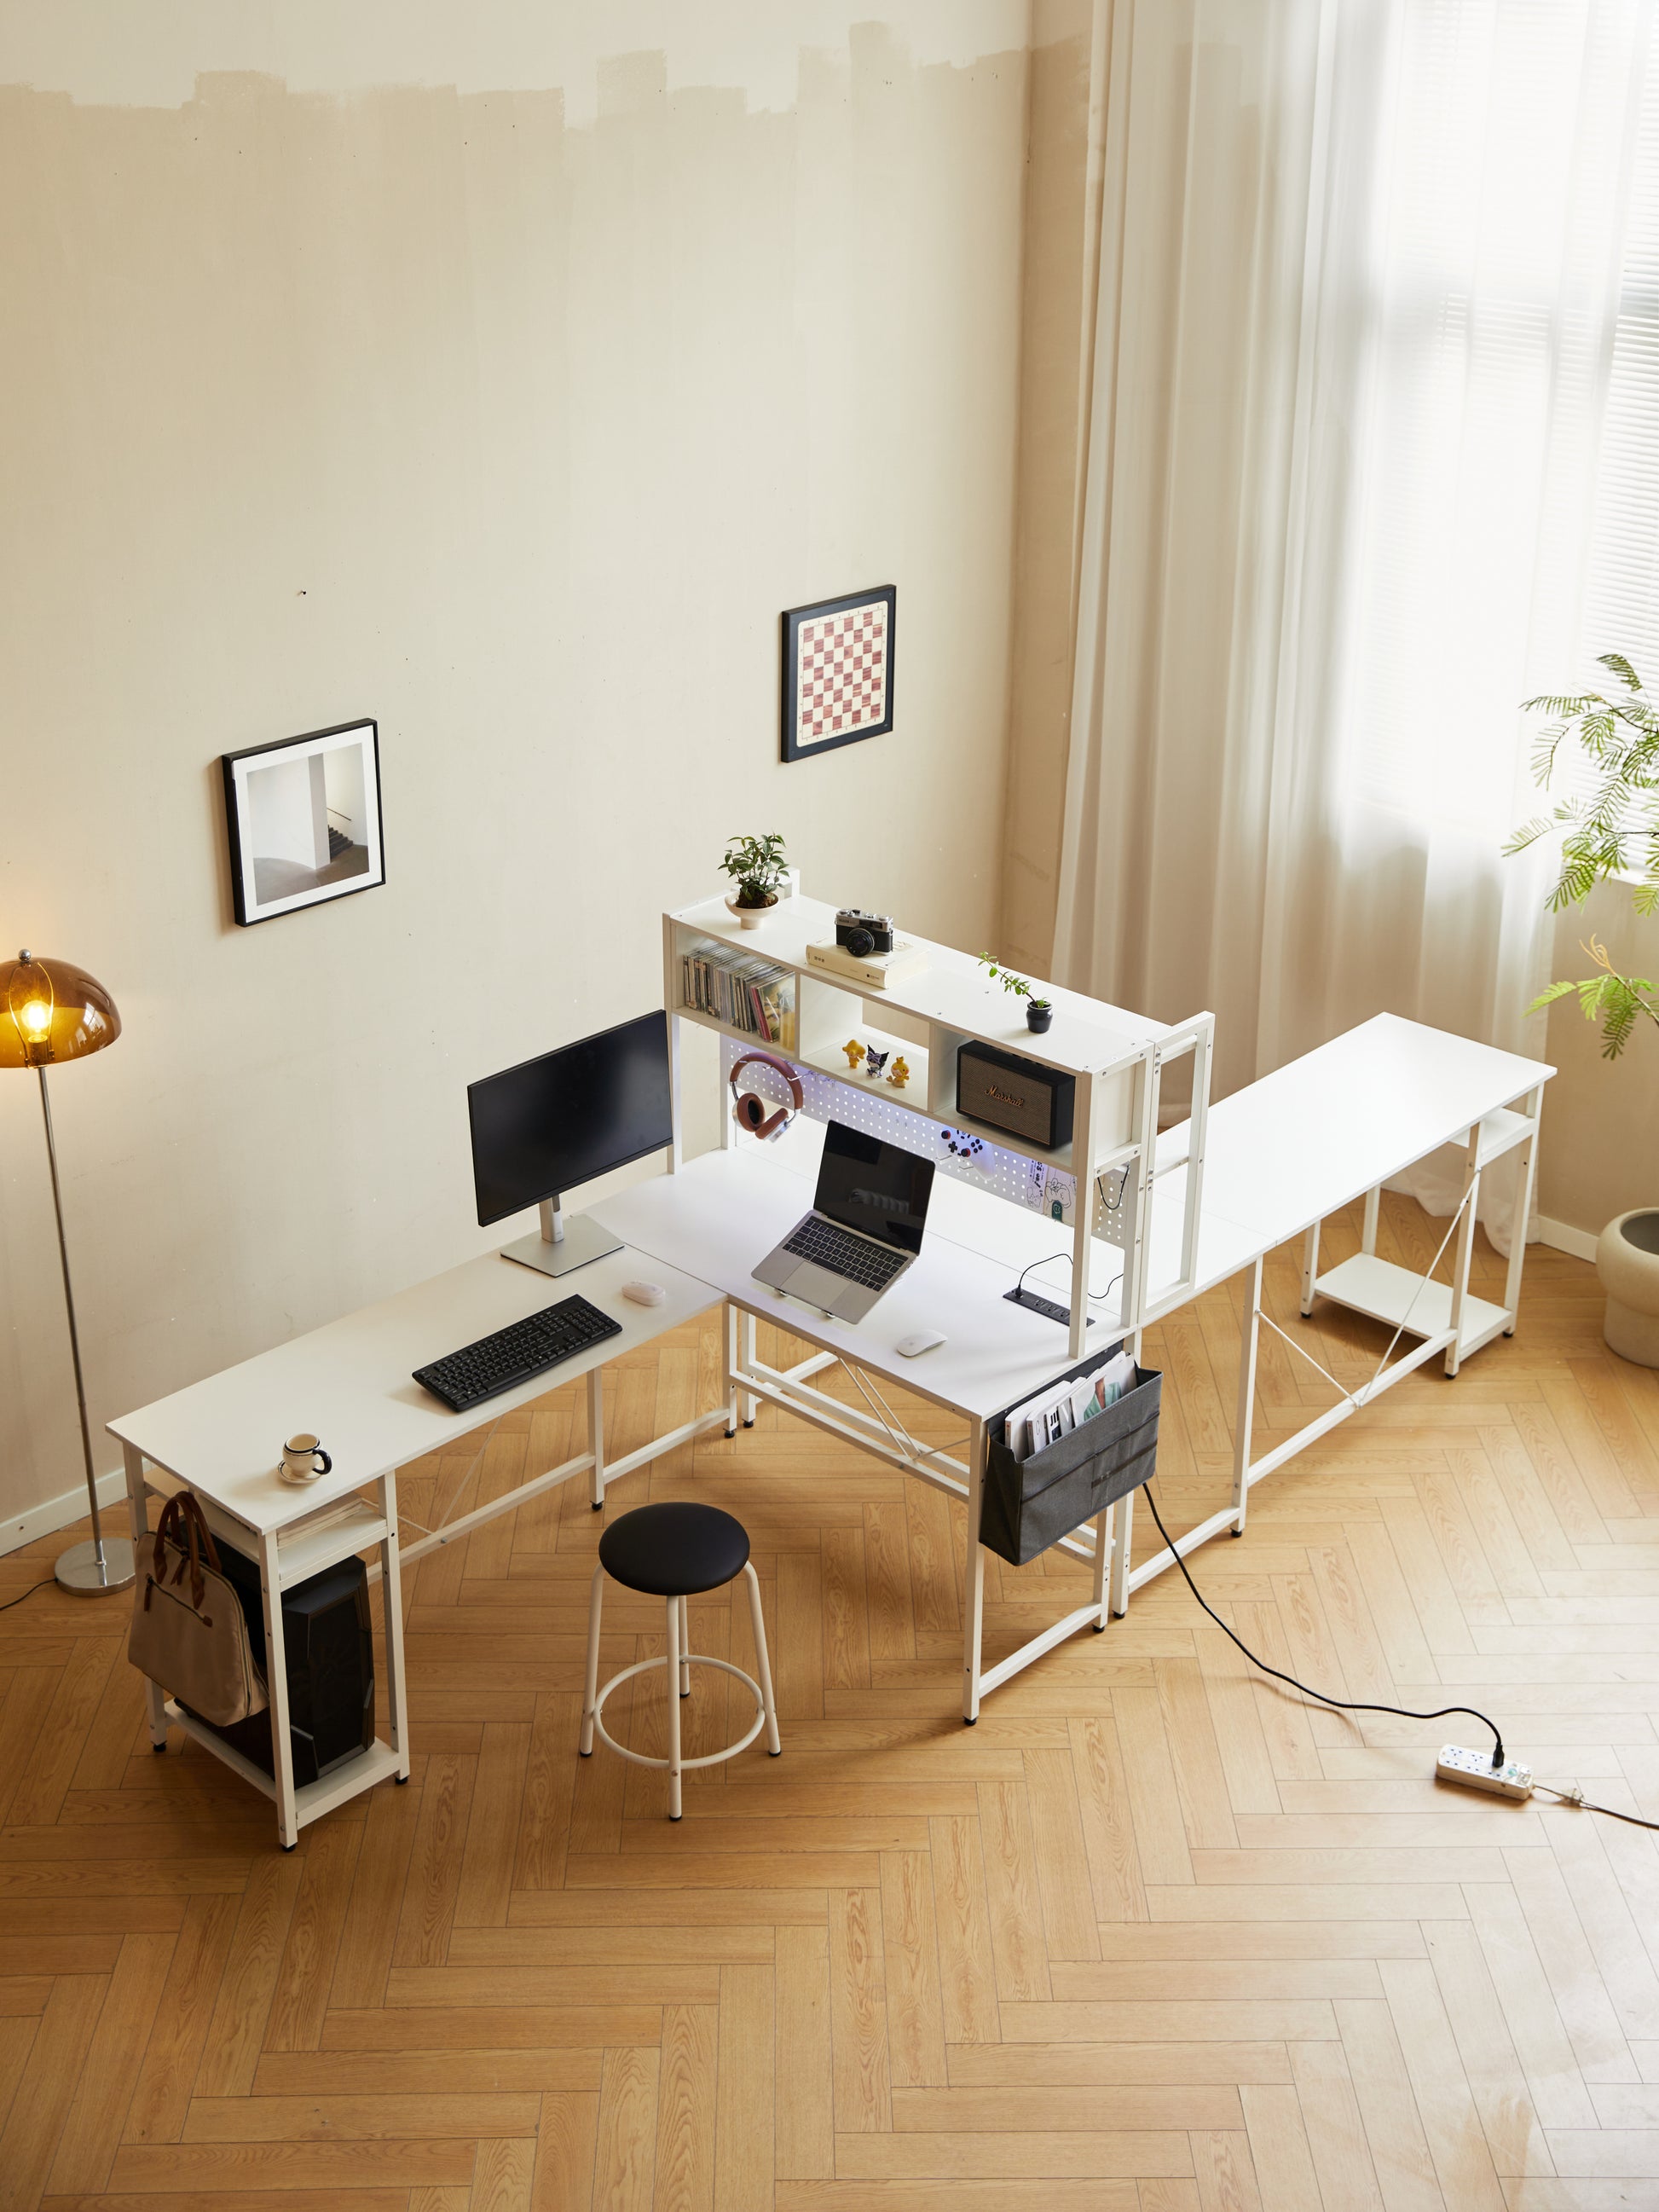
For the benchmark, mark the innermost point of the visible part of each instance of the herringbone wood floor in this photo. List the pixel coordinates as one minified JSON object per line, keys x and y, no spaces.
{"x":1153,"y":1936}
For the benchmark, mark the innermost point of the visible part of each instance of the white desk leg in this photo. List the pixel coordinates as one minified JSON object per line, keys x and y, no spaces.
{"x":1523,"y":1184}
{"x":973,"y":1579}
{"x":1125,"y":1511}
{"x":1247,"y":1344}
{"x":282,"y":1745}
{"x":750,"y":1405}
{"x":730,"y":1370}
{"x":1373,"y":1207}
{"x":1105,"y":1529}
{"x":392,"y":1603}
{"x":155,"y":1703}
{"x":596,"y":1432}
{"x":1464,"y":1249}
{"x":1310,"y":1269}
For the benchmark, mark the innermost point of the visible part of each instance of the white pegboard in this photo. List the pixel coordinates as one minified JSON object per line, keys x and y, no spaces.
{"x":873,"y":1108}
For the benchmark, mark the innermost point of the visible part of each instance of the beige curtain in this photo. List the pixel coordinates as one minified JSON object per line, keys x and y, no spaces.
{"x":1357,"y":278}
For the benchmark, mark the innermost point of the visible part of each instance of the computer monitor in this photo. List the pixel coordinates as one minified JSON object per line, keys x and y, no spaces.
{"x":540,"y":1129}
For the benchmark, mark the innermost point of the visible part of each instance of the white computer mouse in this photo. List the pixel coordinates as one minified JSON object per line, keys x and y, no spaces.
{"x":923,"y":1340}
{"x":645,"y":1294}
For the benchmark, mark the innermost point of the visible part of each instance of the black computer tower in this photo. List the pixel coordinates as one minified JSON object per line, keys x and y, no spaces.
{"x":329,"y":1644}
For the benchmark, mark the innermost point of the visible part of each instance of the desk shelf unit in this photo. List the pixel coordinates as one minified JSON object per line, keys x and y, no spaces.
{"x":1115,"y":1059}
{"x":290,"y":1556}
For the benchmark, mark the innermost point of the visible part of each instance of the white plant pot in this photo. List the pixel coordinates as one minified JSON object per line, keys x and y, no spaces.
{"x":1627,"y":1261}
{"x":750,"y":917}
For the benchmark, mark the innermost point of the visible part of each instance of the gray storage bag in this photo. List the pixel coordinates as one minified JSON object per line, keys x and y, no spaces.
{"x":1027,"y":1505}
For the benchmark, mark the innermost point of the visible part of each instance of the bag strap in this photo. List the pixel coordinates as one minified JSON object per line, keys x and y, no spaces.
{"x":183,"y":1524}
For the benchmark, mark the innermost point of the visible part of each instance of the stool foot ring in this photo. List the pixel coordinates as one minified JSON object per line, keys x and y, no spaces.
{"x":690,"y":1659}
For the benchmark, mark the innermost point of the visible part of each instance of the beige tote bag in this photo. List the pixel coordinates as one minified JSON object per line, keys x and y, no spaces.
{"x":189,"y":1632}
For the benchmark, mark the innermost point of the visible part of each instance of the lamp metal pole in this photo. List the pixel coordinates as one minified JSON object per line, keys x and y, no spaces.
{"x":104,"y":1564}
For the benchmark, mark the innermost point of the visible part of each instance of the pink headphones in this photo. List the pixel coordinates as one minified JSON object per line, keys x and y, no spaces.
{"x":759,"y":1114}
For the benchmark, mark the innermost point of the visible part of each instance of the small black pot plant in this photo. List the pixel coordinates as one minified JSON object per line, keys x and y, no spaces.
{"x":1039,"y":1012}
{"x":758,"y":866}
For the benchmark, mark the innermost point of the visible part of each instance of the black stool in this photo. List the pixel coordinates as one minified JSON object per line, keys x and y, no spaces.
{"x":676,"y":1551}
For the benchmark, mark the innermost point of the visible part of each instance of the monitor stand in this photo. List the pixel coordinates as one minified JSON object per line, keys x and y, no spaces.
{"x":561,"y":1246}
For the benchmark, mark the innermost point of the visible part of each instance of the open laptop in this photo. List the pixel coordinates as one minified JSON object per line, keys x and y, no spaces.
{"x":864,"y":1230}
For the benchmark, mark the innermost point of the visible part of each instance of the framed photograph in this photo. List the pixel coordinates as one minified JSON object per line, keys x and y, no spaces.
{"x":838,"y":671}
{"x":304,"y":820}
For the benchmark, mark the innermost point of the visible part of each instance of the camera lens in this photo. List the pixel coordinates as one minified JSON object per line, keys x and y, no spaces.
{"x":860,"y":943}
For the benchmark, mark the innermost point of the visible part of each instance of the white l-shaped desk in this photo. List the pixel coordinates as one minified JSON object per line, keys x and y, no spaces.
{"x":1279,"y":1156}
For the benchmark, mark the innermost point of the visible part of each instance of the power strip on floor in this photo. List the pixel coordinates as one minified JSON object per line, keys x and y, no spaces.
{"x":1475,"y":1770}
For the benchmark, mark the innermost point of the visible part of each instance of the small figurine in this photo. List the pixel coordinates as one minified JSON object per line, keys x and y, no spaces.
{"x":899,"y":1074}
{"x":855,"y":1052}
{"x":874,"y":1061}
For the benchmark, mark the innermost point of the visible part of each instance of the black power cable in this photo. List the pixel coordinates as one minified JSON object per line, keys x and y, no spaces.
{"x":29,"y":1592}
{"x":1342,"y":1704}
{"x":1574,"y":1796}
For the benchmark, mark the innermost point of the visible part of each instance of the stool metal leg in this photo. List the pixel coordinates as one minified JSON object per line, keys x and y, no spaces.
{"x":686,"y":1647}
{"x":675,"y":1649}
{"x":762,"y":1664}
{"x":590,"y":1690}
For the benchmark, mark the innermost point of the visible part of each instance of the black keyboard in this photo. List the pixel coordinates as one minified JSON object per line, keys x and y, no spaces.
{"x":514,"y":1354}
{"x":838,"y":1249}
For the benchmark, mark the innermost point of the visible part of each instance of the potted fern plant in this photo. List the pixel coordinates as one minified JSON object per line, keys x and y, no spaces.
{"x":1612,"y":829}
{"x":758,"y":866}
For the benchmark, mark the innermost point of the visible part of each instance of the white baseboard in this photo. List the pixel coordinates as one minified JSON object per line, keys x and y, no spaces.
{"x":60,"y":1512}
{"x":1561,"y":1236}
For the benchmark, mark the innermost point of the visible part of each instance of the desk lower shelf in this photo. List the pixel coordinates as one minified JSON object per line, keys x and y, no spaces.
{"x":1391,"y":1294}
{"x":312,"y":1799}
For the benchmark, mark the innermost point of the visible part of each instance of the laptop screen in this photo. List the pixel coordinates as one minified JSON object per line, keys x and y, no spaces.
{"x":879,"y":1188}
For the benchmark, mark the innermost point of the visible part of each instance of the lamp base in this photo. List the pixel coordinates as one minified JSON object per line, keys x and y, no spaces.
{"x":78,"y":1570}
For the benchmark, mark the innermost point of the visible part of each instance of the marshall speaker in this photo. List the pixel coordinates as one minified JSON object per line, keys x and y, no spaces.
{"x":329,"y":1649}
{"x":1020,"y":1096}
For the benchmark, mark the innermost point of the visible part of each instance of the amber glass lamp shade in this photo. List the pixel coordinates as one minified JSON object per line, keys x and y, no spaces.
{"x":50,"y":1010}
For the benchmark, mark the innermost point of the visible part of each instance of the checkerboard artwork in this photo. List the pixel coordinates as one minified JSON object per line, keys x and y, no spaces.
{"x":838,"y":671}
{"x":841,"y":674}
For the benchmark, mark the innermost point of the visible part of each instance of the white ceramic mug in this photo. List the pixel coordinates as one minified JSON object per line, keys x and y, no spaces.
{"x":304,"y":1459}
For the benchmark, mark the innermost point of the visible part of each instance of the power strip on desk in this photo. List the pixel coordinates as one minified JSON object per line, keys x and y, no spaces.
{"x":1045,"y":1307}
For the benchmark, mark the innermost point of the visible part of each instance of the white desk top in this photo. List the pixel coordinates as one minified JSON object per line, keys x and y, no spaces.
{"x":724,"y":1211}
{"x":1280,"y":1154}
{"x":1286,"y":1151}
{"x":350,"y":1382}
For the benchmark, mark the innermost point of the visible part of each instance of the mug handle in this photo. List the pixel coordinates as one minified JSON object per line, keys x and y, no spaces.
{"x":327,"y":1464}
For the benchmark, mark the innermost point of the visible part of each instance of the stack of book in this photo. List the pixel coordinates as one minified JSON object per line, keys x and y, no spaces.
{"x":748,"y":994}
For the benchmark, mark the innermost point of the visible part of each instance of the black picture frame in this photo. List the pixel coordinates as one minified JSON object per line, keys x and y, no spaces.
{"x":798,"y":744}
{"x":264,"y":887}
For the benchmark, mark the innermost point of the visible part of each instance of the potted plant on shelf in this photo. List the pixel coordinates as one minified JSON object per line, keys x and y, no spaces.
{"x":1612,"y":831}
{"x":1039,"y":1012}
{"x":758,"y":866}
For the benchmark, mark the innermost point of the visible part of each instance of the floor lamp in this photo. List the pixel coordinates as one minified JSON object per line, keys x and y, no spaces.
{"x":50,"y":1010}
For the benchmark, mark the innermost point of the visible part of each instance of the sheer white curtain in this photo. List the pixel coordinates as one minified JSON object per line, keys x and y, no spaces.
{"x":1359,"y":282}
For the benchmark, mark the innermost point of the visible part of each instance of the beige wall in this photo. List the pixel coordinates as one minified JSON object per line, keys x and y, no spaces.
{"x":1601,"y":1151}
{"x":516,"y":432}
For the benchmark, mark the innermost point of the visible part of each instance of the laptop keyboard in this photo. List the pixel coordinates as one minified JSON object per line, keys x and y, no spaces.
{"x":844,"y":1253}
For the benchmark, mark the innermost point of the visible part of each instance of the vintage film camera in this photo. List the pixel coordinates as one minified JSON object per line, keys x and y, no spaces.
{"x":863,"y":933}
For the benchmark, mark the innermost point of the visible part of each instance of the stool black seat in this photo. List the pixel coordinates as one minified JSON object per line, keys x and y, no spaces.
{"x":676,"y":1549}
